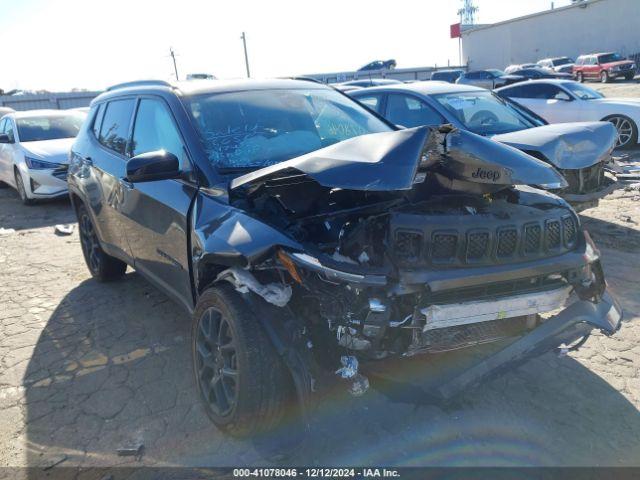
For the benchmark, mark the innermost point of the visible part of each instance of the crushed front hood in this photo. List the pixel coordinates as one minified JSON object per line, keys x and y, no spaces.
{"x":390,"y":161}
{"x":375,"y":162}
{"x":566,"y":145}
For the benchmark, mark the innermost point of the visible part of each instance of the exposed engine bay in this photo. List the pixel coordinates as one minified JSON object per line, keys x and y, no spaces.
{"x":363,"y":277}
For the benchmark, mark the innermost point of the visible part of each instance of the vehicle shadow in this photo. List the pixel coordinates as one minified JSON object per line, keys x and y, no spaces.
{"x":111,"y":370}
{"x":44,"y":213}
{"x":615,"y":235}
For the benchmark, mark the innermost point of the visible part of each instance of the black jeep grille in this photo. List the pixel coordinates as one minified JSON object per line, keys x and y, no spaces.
{"x":417,"y":240}
{"x":408,"y":245}
{"x":507,"y":242}
{"x":444,"y":246}
{"x":477,"y":245}
{"x":570,"y":231}
{"x":553,"y":235}
{"x":532,"y":238}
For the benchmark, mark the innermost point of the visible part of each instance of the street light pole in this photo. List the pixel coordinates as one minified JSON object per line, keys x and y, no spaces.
{"x":246,"y":57}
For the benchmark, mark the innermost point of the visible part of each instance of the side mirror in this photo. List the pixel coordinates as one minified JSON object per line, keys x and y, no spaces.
{"x":150,"y":166}
{"x":4,"y":138}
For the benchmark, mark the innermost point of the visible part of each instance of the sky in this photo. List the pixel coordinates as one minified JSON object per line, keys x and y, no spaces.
{"x":62,"y":44}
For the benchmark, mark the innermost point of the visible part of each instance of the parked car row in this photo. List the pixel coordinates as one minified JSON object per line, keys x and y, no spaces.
{"x":485,"y":113}
{"x":596,"y":66}
{"x":307,"y":233}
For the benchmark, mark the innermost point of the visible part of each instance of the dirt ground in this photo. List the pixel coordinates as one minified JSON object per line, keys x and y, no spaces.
{"x":88,"y":368}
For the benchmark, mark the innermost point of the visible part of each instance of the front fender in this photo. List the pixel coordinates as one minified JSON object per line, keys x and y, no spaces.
{"x":224,"y":236}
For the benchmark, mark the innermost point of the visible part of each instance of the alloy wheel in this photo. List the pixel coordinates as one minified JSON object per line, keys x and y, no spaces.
{"x":216,"y":362}
{"x":625,"y":130}
{"x":89,"y":242}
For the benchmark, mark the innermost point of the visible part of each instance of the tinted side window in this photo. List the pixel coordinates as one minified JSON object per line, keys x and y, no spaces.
{"x":115,"y":125}
{"x":473,"y":75}
{"x":372,"y":101}
{"x":514,"y":92}
{"x":154,"y":130}
{"x":98,"y":120}
{"x":411,"y":112}
{"x":3,"y":122}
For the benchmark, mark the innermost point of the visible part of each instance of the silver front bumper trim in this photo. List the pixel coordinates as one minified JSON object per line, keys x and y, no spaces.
{"x":444,"y":316}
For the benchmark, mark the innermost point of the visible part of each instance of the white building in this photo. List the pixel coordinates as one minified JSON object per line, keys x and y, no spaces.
{"x":590,"y":26}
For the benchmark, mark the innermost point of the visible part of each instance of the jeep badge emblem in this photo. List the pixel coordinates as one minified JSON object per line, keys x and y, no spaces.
{"x":492,"y":175}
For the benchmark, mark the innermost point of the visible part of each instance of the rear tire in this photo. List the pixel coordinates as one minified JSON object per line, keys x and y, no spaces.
{"x":103,"y":267}
{"x":580,"y":77}
{"x":241,"y":380}
{"x":21,"y":189}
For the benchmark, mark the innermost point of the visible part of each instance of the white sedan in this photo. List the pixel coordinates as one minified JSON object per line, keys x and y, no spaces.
{"x":34,"y":151}
{"x":561,"y":101}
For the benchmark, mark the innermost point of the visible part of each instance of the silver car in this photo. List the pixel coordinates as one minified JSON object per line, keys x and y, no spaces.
{"x":34,"y":151}
{"x":579,"y":151}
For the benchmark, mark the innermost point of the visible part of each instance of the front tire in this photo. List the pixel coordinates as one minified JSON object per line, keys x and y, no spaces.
{"x":604,"y":76}
{"x":241,"y":380}
{"x":629,"y":76}
{"x":627,"y":130}
{"x":103,"y":267}
{"x":22,"y":191}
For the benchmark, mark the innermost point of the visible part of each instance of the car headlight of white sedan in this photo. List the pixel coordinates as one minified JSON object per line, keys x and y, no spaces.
{"x":35,"y":164}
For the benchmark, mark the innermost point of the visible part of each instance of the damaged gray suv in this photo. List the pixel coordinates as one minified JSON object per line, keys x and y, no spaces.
{"x":305,"y":235}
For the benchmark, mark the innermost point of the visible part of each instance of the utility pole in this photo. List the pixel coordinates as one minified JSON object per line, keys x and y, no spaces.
{"x":243,"y":37}
{"x":175,"y":66}
{"x":467,"y":17}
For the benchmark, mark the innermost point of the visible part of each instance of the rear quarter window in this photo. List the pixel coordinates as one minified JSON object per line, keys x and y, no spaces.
{"x":97,"y":120}
{"x":114,"y":131}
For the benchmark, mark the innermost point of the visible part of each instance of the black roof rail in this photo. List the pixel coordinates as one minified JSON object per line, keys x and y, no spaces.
{"x":303,"y":78}
{"x":140,"y":83}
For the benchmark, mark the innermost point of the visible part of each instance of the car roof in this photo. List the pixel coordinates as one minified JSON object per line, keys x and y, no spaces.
{"x":597,"y":54}
{"x":552,"y":81}
{"x":427,"y":88}
{"x":40,"y":113}
{"x":199,"y":87}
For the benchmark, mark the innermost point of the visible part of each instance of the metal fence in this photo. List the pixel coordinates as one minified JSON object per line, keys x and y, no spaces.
{"x":57,"y":101}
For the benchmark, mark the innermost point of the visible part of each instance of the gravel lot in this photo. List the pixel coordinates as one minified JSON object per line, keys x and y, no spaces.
{"x":87,"y":368}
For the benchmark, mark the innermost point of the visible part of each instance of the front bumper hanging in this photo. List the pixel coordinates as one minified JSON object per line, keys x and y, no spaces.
{"x":573,"y":323}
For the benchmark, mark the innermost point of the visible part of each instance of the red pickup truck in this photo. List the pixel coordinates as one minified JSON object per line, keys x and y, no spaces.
{"x":603,"y":66}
